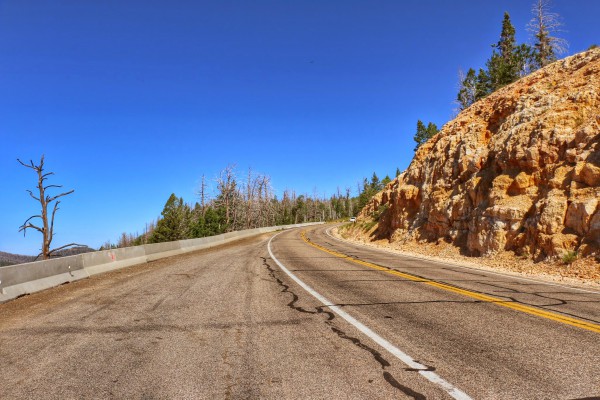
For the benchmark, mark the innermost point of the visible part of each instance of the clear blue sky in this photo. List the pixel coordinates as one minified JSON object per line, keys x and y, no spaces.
{"x":133,"y":100}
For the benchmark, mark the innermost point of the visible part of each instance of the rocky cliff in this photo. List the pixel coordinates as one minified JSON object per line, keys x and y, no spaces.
{"x":518,"y":171}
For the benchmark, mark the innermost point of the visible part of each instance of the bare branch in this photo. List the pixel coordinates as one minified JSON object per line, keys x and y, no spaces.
{"x":31,"y":194}
{"x":51,"y":199}
{"x":52,"y":219}
{"x":32,"y":217}
{"x":64,"y":247}
{"x":32,"y":166}
{"x":52,"y":186}
{"x":24,"y":228}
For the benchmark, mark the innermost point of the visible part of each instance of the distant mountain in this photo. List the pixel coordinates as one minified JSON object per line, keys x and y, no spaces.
{"x":74,"y":251}
{"x":11,"y":259}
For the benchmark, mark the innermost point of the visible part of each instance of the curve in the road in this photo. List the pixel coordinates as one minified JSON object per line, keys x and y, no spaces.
{"x":478,"y":296}
{"x":520,"y":278}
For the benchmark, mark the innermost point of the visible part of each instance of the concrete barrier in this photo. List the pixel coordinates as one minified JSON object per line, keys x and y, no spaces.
{"x":108,"y":260}
{"x":21,"y":279}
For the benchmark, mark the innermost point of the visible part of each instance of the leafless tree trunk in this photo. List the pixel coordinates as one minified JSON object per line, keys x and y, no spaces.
{"x":250,"y":187}
{"x":348,"y":202}
{"x":227,"y":186}
{"x":261,"y":203}
{"x":203,"y":195}
{"x":47,"y":228}
{"x":269,"y":197}
{"x":126,"y":239}
{"x":543,"y":24}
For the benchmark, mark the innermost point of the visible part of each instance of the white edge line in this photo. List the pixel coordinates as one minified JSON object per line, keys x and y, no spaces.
{"x":327,"y":231}
{"x":405,"y":358}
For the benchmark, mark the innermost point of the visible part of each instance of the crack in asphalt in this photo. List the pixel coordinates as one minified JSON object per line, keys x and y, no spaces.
{"x":330,"y":315}
{"x":543,"y":295}
{"x":286,"y":289}
{"x":387,"y":376}
{"x":376,"y":355}
{"x":406,"y":390}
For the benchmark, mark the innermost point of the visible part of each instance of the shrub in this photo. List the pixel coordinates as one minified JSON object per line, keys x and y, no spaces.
{"x":569,"y":257}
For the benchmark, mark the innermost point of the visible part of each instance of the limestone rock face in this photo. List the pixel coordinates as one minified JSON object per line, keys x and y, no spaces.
{"x":518,"y":170}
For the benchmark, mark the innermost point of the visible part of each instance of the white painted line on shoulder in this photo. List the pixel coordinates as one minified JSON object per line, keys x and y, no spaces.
{"x":402,"y":356}
{"x":328,"y":233}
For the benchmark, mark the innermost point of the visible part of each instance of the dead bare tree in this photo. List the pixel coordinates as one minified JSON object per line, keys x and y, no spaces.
{"x":227,"y":186}
{"x":250,"y":189}
{"x":47,"y":228}
{"x":543,"y":24}
{"x":349,"y":209}
{"x":264,"y":199}
{"x":202,"y":194}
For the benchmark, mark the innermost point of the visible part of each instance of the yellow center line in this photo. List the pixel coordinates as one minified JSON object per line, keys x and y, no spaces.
{"x":590,"y":326}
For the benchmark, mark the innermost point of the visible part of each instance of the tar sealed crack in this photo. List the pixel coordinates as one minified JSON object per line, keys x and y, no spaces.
{"x":408,"y":391}
{"x":329,"y":314}
{"x":376,"y":355}
{"x":329,"y":321}
{"x":286,"y":289}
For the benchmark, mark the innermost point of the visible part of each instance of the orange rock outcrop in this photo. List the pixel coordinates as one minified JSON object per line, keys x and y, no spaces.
{"x":518,"y":170}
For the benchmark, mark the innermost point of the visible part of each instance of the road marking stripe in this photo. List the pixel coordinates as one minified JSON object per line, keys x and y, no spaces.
{"x":402,"y":356}
{"x":590,"y":326}
{"x":414,"y":257}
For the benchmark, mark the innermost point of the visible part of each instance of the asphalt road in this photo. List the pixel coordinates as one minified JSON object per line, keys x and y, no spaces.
{"x":248,"y":320}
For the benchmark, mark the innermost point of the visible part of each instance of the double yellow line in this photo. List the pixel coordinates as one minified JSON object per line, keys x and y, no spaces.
{"x":590,"y":326}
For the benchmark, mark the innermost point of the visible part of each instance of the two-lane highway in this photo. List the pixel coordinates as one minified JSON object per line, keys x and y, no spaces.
{"x":301,"y":315}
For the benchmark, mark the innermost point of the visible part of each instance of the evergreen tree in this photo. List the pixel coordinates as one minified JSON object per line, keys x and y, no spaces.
{"x":506,"y":44}
{"x":525,"y":59}
{"x":483,"y":86}
{"x":365,"y":194}
{"x":424,"y":133}
{"x":432,"y":130}
{"x":300,"y":210}
{"x":398,"y":171}
{"x":509,"y":61}
{"x":187,"y":220}
{"x":171,"y":226}
{"x":210,"y":224}
{"x":466,"y":94}
{"x":385,"y":181}
{"x":375,"y":183}
{"x":421,"y":134}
